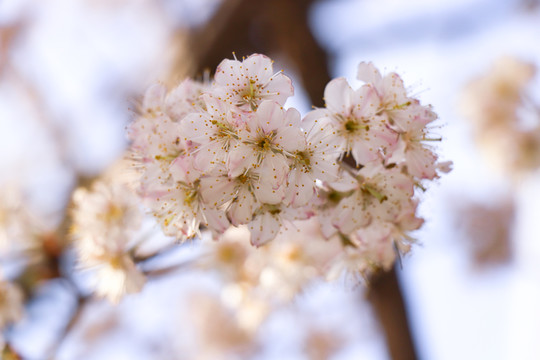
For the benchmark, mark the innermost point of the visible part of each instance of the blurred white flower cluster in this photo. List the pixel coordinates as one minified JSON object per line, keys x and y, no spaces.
{"x":504,"y":117}
{"x":105,"y":221}
{"x":11,"y":305}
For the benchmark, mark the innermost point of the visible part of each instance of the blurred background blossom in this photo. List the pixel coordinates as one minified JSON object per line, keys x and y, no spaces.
{"x":72,"y":74}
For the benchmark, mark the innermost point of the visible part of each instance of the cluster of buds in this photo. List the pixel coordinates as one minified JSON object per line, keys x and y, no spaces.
{"x":228,"y":153}
{"x":505,"y":119}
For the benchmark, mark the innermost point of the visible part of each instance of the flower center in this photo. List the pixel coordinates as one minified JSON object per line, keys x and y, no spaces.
{"x":304,"y":159}
{"x":265,"y":143}
{"x":353,"y":125}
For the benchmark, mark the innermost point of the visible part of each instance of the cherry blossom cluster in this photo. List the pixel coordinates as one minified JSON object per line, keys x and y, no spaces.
{"x":227,"y":153}
{"x":504,"y":116}
{"x":275,"y":272}
{"x":18,"y":225}
{"x":105,"y":221}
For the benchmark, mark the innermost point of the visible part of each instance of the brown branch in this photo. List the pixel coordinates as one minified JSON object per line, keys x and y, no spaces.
{"x":385,"y":297}
{"x":277,"y":27}
{"x":74,"y":319}
{"x":288,"y":32}
{"x":139,"y":258}
{"x":169,"y":269}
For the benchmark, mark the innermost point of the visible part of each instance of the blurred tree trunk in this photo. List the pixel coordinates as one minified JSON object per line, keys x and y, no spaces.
{"x":278,"y":27}
{"x":385,"y":297}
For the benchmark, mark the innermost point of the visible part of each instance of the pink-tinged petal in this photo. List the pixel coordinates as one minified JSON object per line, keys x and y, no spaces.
{"x":381,"y":135}
{"x":338,"y":96}
{"x":268,"y":193}
{"x":314,"y":117}
{"x":241,"y":209}
{"x":208,"y":157}
{"x":318,"y":128}
{"x":216,"y":190}
{"x":325,"y":167}
{"x":182,"y":169}
{"x":270,"y":116}
{"x":396,"y":153}
{"x":393,"y":90}
{"x":153,"y":181}
{"x":371,"y":170}
{"x":279,"y":88}
{"x":241,"y":158}
{"x":421,"y":162}
{"x":364,"y":153}
{"x":216,"y":220}
{"x":258,"y":67}
{"x":204,"y":159}
{"x":183,"y":99}
{"x":376,"y":243}
{"x":196,"y":128}
{"x":264,"y":228}
{"x":327,"y":228}
{"x":215,"y":107}
{"x":273,"y":169}
{"x":408,"y":221}
{"x":350,"y":214}
{"x":412,"y":118}
{"x":368,"y":73}
{"x":293,"y":118}
{"x":290,"y":139}
{"x":227,"y":72}
{"x":300,"y":188}
{"x":344,"y":183}
{"x":154,"y":97}
{"x":366,"y":102}
{"x":290,"y":214}
{"x":399,"y":185}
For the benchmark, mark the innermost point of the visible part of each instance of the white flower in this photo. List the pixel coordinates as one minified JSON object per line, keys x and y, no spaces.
{"x":178,"y":203}
{"x":381,"y":195}
{"x":390,"y":88}
{"x":361,"y":132}
{"x":269,"y":137}
{"x":105,"y":221}
{"x":156,"y":139}
{"x":214,"y":132}
{"x":316,"y":160}
{"x":412,"y":150}
{"x":245,"y":84}
{"x":408,"y":118}
{"x":117,"y":277}
{"x":184,"y":99}
{"x":251,"y":190}
{"x":269,"y":219}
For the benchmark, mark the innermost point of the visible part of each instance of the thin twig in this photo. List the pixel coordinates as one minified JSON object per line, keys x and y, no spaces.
{"x":82,"y":301}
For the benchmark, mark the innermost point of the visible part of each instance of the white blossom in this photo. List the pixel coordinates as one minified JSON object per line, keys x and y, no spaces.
{"x":105,"y":221}
{"x":248,"y":82}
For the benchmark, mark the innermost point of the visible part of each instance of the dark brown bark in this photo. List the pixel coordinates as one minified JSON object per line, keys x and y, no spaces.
{"x":273,"y":27}
{"x":387,"y":301}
